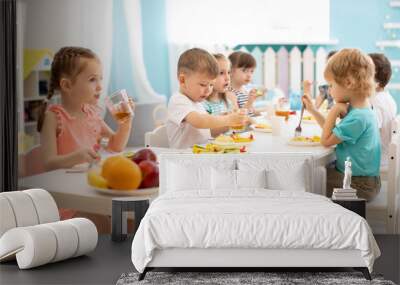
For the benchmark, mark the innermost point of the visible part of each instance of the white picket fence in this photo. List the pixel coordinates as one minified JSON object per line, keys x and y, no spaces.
{"x":283,"y":69}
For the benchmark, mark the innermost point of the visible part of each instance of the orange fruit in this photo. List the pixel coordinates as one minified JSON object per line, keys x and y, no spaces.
{"x":121,"y":173}
{"x":107,"y":165}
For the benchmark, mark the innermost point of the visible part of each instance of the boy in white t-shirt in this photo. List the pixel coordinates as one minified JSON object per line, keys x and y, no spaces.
{"x":188,"y":122}
{"x":383,"y":103}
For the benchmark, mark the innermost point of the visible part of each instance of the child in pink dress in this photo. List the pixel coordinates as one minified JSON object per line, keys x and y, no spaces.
{"x":71,"y":132}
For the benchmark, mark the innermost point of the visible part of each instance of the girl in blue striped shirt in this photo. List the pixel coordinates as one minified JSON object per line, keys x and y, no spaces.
{"x":243,"y":65}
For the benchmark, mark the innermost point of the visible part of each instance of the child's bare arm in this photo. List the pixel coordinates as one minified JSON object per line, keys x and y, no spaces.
{"x":309,"y":106}
{"x":117,"y":140}
{"x":232,"y":99}
{"x":207,"y":121}
{"x":48,"y":141}
{"x":319,"y":100}
{"x":252,"y":98}
{"x":217,"y":132}
{"x":328,"y":138}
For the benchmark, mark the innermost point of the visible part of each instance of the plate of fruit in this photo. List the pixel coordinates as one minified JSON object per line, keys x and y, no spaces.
{"x":305,"y":141}
{"x":233,"y":140}
{"x":126,"y":175}
{"x":264,"y":128}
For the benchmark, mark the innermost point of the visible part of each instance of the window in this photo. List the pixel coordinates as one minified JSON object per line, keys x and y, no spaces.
{"x":235,"y":22}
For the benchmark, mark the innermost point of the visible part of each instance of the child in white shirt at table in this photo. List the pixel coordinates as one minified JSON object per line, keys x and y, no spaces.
{"x":188,"y":122}
{"x":243,"y":65}
{"x":383,"y":103}
{"x":221,"y":100}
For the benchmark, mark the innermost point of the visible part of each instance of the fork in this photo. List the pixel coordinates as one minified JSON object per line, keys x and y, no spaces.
{"x":297,"y":131}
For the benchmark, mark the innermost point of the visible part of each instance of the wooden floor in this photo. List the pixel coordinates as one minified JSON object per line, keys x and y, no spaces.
{"x":110,"y":260}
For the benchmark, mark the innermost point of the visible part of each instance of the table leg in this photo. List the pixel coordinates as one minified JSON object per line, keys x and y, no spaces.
{"x":117,"y":221}
{"x":120,"y":209}
{"x":140,"y":210}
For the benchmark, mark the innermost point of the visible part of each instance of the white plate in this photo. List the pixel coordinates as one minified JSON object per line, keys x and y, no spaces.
{"x":296,"y":143}
{"x":136,"y":192}
{"x":261,"y":130}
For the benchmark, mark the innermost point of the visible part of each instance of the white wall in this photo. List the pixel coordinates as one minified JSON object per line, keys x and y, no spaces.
{"x":56,"y":23}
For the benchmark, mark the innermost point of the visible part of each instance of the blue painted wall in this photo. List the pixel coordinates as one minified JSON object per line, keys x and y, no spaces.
{"x":155,"y":48}
{"x":356,"y":23}
{"x":359,"y":23}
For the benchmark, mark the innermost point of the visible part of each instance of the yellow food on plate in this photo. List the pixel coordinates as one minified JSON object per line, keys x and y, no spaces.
{"x":213,"y":148}
{"x":308,"y":118}
{"x":312,"y":139}
{"x":237,"y":138}
{"x":96,"y":180}
{"x":316,"y":139}
{"x":224,"y":139}
{"x":233,"y":138}
{"x":262,"y":126}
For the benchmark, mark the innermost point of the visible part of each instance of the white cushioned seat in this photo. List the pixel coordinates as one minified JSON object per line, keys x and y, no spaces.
{"x":40,"y":244}
{"x":7,"y":220}
{"x":31,"y":232}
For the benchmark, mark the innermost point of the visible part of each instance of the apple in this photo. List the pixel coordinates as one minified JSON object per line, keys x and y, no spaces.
{"x":150,"y":174}
{"x":144,"y":154}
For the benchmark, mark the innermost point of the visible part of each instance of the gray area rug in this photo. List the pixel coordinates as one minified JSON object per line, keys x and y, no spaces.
{"x":229,"y":278}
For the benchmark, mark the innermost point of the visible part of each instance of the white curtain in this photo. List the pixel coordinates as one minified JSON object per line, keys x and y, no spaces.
{"x":144,"y":91}
{"x":56,"y":23}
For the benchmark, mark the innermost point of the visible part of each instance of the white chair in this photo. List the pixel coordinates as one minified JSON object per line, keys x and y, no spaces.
{"x":157,"y":138}
{"x":381,"y":212}
{"x":160,"y":115}
{"x":396,"y":125}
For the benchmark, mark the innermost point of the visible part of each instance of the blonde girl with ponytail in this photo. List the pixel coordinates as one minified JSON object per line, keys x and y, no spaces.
{"x":70,"y":132}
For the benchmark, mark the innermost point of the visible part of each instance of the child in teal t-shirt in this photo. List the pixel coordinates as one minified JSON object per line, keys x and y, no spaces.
{"x":350,"y":75}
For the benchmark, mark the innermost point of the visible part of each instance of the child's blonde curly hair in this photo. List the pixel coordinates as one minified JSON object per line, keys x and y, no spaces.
{"x":352,"y":69}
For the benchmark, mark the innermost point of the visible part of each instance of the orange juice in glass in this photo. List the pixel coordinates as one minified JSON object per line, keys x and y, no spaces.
{"x":283,"y":113}
{"x":242,"y":111}
{"x":118,"y":105}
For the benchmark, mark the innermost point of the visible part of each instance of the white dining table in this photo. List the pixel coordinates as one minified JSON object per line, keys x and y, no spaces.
{"x":322,"y":156}
{"x":71,"y":190}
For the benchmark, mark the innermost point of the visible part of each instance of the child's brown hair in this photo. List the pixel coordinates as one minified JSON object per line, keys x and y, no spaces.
{"x":65,"y":63}
{"x":240,"y":59}
{"x":221,"y":95}
{"x":383,"y":69}
{"x":354,"y":66}
{"x":198,"y":60}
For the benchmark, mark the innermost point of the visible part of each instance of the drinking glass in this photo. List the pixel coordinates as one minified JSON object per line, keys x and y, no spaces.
{"x":242,"y":111}
{"x":118,"y":105}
